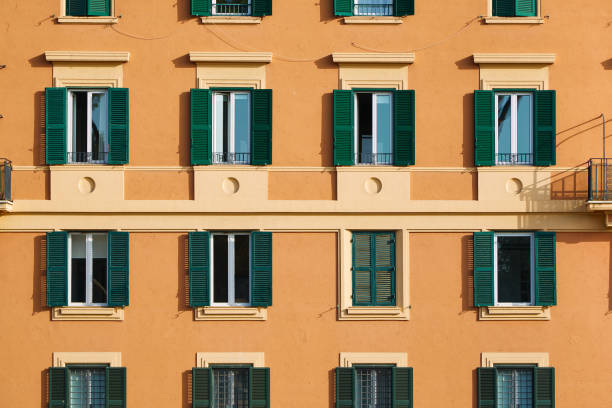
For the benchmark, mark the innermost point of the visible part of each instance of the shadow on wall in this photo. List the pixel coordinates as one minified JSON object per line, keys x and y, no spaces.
{"x":467,"y":151}
{"x":572,"y":184}
{"x":475,"y":388}
{"x":183,"y":10}
{"x":187,"y":391}
{"x":38,"y":144}
{"x":44,"y":388}
{"x":607,"y":64}
{"x":183,"y":275}
{"x":184,"y":129}
{"x":326,"y":8}
{"x":327,"y":130}
{"x":39,"y":287}
{"x":467,"y":274}
{"x":332,"y":388}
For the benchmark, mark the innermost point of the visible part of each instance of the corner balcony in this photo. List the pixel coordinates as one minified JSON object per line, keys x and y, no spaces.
{"x":6,"y":202}
{"x":600,"y":188}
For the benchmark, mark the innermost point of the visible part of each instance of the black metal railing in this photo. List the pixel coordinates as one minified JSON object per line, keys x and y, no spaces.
{"x":514,"y":158}
{"x":232,"y":9}
{"x":600,"y":180}
{"x":87,"y":157}
{"x":6,"y":168}
{"x":231,"y":158}
{"x":373,"y":9}
{"x":385,"y":159}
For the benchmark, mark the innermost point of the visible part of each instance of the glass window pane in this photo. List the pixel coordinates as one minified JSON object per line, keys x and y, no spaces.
{"x":504,"y":128}
{"x":230,"y":388}
{"x":79,"y":127}
{"x":514,"y":269}
{"x":220,"y":268}
{"x":87,"y":388}
{"x":383,"y":129}
{"x":78,"y":268}
{"x":98,"y":283}
{"x":364,"y":129}
{"x":524,"y":126}
{"x":242,"y":122}
{"x":374,"y":388}
{"x":221,"y":127}
{"x":99,"y":120}
{"x":374,"y":7}
{"x":514,"y":388}
{"x":241,"y":264}
{"x":231,"y":6}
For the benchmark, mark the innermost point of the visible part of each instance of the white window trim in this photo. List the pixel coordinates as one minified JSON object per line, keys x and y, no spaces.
{"x":532,"y":265}
{"x":231,"y":287}
{"x":374,"y":128}
{"x":70,"y":119}
{"x":207,"y":359}
{"x":349,"y":359}
{"x":88,"y":269}
{"x":214,"y":10}
{"x":513,"y":126}
{"x":231,"y":124}
{"x":61,"y":359}
{"x":491,"y":359}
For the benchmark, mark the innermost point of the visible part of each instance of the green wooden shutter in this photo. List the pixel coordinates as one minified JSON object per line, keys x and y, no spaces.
{"x":544,"y":387}
{"x":487,"y":387}
{"x":57,"y":268}
{"x":259,"y":387}
{"x":199,"y":269}
{"x":262,"y":8}
{"x":118,"y":268}
{"x":404,"y":8}
{"x":545,"y":131}
{"x":261,"y":268}
{"x":56,"y":106}
{"x":484,"y":128}
{"x":201,"y":7}
{"x":526,"y":8}
{"x":504,"y":8}
{"x":58,"y":387}
{"x":402,"y":387}
{"x":115,"y":387}
{"x":76,"y":7}
{"x":403,"y":128}
{"x":483,"y":269}
{"x":545,"y":269}
{"x":362,"y":269}
{"x":344,"y":138}
{"x":261,"y":127}
{"x":201,"y":387}
{"x":119,"y":125}
{"x":384,"y":267}
{"x":201,"y":126}
{"x":98,"y":7}
{"x":345,"y":387}
{"x":343,"y":7}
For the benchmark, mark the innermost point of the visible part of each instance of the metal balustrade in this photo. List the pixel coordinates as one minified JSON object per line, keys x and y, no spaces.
{"x":88,"y":157}
{"x":600,"y":179}
{"x":368,"y":9}
{"x":231,"y":158}
{"x":514,"y":158}
{"x":231,"y":9}
{"x":374,"y":158}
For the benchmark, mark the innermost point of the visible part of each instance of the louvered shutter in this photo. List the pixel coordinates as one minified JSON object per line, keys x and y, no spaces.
{"x":58,"y":387}
{"x":259,"y":387}
{"x":402,"y":387}
{"x":484,"y":128}
{"x":118,"y":123}
{"x":343,"y":7}
{"x":526,"y":8}
{"x":384,"y":268}
{"x":56,"y":106}
{"x":403,"y":129}
{"x":98,"y":7}
{"x":115,"y":387}
{"x":362,"y":269}
{"x":544,"y":387}
{"x":545,"y":269}
{"x":487,"y":387}
{"x":545,"y":138}
{"x":57,"y":268}
{"x":201,"y":387}
{"x":261,"y":268}
{"x":201,"y":7}
{"x":483,"y":269}
{"x":199,"y":269}
{"x":504,"y":8}
{"x":261,"y":127}
{"x":345,"y":387}
{"x":76,"y":7}
{"x":201,"y":126}
{"x":262,"y":8}
{"x":344,"y":144}
{"x":404,"y":8}
{"x":118,"y":268}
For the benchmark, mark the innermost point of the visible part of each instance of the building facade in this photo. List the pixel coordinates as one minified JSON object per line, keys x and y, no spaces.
{"x":305,"y":204}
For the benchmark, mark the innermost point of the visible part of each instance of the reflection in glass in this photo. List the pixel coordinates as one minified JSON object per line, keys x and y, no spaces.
{"x":383,"y":128}
{"x":504,"y":127}
{"x":241,"y":127}
{"x":523,"y":129}
{"x":78,"y":278}
{"x":514,"y":269}
{"x":220,"y":245}
{"x":241,"y":268}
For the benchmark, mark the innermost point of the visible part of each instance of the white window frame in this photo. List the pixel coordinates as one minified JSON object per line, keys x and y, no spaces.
{"x":374,"y":95}
{"x":71,"y":118}
{"x":215,"y":13}
{"x":88,"y":269}
{"x":231,"y":129}
{"x":531,"y":262}
{"x":356,"y":8}
{"x":513,"y":127}
{"x":231,"y":284}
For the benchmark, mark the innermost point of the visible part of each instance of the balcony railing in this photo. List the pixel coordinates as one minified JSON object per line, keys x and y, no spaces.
{"x":231,"y":9}
{"x":88,"y":157}
{"x":373,"y":9}
{"x":6,"y":168}
{"x":231,"y":158}
{"x":514,"y":158}
{"x":600,"y":180}
{"x":381,"y":159}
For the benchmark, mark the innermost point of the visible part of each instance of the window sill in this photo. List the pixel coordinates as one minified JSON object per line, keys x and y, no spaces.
{"x":87,"y":313}
{"x":87,"y":20}
{"x":373,"y":313}
{"x":372,"y":20}
{"x":6,"y":206}
{"x":231,"y":20}
{"x":514,"y":20}
{"x":231,"y":313}
{"x":514,"y":313}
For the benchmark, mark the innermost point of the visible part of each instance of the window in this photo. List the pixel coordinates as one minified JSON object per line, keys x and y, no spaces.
{"x":87,"y":126}
{"x":513,"y":128}
{"x":374,"y":7}
{"x":514,"y":269}
{"x":373,"y":130}
{"x":516,"y":386}
{"x":230,"y":387}
{"x":374,"y":269}
{"x":233,"y":386}
{"x":88,"y":7}
{"x":231,"y":269}
{"x":374,"y":386}
{"x":231,"y":7}
{"x":87,"y":277}
{"x":87,"y":386}
{"x":257,"y":8}
{"x":232,"y":127}
{"x":515,"y":8}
